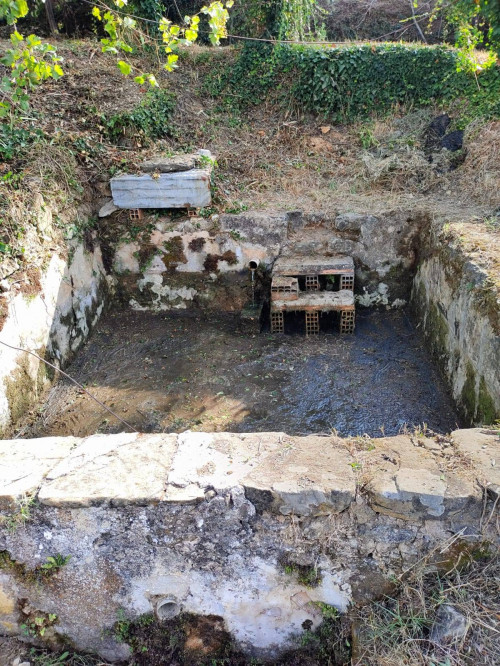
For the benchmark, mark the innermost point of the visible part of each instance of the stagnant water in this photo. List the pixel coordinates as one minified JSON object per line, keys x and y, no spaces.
{"x":172,"y":372}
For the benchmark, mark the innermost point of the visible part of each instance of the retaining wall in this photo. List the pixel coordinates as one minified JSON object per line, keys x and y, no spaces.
{"x":52,"y":321}
{"x":204,"y":262}
{"x":457,"y":306}
{"x":253,"y":528}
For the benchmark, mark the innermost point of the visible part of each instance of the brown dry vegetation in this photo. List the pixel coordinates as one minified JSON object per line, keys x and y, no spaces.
{"x":268,"y":157}
{"x":398,"y":631}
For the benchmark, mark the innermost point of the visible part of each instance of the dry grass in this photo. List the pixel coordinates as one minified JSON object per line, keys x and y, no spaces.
{"x":480,"y":174}
{"x":396,"y":632}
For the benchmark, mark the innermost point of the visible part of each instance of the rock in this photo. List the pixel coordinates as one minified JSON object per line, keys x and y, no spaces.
{"x":266,"y":229}
{"x":108,"y":209}
{"x":408,"y":494}
{"x":77,"y":480}
{"x":436,"y":131}
{"x":170,"y":164}
{"x":453,"y":141}
{"x":449,"y":626}
{"x":20,"y":455}
{"x":7,"y":267}
{"x":4,"y":285}
{"x":352,"y":221}
{"x":43,"y":214}
{"x":205,"y":153}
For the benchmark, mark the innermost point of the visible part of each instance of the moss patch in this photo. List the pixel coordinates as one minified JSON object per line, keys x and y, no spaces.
{"x":436,"y":329}
{"x":186,"y":639}
{"x":145,"y":256}
{"x":174,"y":253}
{"x":31,"y":286}
{"x":306,"y":574}
{"x":211,"y":263}
{"x":468,"y":397}
{"x":197,"y":244}
{"x":486,"y":410}
{"x":23,"y":389}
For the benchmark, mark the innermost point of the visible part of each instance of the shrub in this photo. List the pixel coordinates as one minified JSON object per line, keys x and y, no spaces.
{"x":347,"y":83}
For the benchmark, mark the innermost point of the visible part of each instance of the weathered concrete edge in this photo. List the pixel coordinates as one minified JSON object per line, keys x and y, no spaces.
{"x":304,"y":476}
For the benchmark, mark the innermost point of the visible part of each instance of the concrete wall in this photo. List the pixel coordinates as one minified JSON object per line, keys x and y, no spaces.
{"x":460,"y":317}
{"x":224,"y":524}
{"x":204,"y":262}
{"x":53,"y":321}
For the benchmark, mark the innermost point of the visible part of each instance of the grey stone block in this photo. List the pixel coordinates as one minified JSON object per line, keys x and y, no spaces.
{"x":185,"y":189}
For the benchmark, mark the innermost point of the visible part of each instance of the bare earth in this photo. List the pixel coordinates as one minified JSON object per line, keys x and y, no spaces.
{"x":171,"y":372}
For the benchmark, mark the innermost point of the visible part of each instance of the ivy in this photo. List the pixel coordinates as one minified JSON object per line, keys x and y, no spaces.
{"x":151,"y":118}
{"x":356,"y":81}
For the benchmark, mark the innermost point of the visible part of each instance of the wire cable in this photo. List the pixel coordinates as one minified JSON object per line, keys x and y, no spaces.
{"x":27,"y":351}
{"x":331,"y":42}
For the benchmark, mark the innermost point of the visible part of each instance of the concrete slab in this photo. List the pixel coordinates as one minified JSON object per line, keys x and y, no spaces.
{"x":301,"y":265}
{"x":217,"y":460}
{"x":305,"y":476}
{"x":315,"y":300}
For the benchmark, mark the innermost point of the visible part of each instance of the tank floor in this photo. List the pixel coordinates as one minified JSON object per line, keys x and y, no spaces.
{"x":172,"y":372}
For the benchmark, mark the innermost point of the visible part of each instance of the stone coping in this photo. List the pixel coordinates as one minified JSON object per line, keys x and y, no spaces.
{"x":411,"y":477}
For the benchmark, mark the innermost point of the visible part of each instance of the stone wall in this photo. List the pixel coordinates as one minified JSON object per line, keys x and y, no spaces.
{"x":204,"y":262}
{"x":457,"y":306}
{"x":257,"y":529}
{"x":52,"y":320}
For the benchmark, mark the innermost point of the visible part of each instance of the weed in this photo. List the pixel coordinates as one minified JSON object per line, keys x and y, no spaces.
{"x":39,"y":658}
{"x":307,"y":575}
{"x":37,"y":625}
{"x":54,"y":562}
{"x":206,"y":161}
{"x":122,"y":627}
{"x":327,"y":610}
{"x":22,"y":513}
{"x":367,"y":138}
{"x":15,"y":140}
{"x":492,"y":223}
{"x":207,"y":211}
{"x":236,"y":208}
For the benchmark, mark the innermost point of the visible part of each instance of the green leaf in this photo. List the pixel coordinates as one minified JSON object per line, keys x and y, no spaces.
{"x":124,"y":67}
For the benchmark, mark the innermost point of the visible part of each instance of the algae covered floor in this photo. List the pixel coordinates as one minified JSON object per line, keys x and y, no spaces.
{"x":171,"y":372}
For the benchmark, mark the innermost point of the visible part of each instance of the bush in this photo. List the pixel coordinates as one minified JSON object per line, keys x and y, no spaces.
{"x":347,"y":83}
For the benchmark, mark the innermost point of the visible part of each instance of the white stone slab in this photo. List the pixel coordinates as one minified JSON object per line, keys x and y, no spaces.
{"x":127,"y":468}
{"x":24,"y":463}
{"x":185,"y":189}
